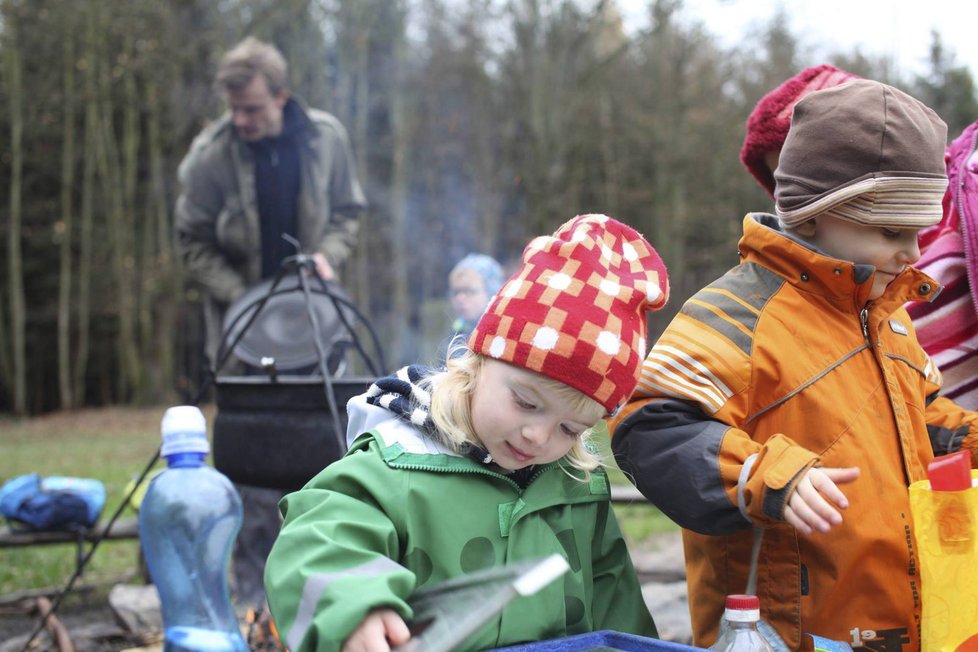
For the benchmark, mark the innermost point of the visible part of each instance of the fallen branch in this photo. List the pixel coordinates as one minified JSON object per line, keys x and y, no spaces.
{"x":55,"y":627}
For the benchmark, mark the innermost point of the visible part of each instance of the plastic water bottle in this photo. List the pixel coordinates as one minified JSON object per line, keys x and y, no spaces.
{"x":187,"y":523}
{"x":738,"y":629}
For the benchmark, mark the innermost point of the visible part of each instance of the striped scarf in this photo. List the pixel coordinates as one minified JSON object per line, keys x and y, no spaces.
{"x":406,"y":394}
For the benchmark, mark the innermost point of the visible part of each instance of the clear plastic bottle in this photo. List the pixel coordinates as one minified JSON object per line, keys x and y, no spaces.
{"x":187,"y":523}
{"x":738,"y":629}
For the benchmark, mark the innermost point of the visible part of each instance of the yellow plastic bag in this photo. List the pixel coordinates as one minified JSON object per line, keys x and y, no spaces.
{"x":946,"y":532}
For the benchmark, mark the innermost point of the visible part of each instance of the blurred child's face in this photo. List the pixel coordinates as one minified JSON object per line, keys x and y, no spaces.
{"x":887,"y":249}
{"x":468,"y":295}
{"x":519,"y":421}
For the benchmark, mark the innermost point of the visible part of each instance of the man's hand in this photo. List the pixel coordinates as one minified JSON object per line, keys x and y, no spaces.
{"x":379,"y":631}
{"x":810,"y":506}
{"x":323,"y":268}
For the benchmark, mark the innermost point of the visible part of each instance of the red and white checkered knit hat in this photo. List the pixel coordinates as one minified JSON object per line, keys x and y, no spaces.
{"x":575,"y":310}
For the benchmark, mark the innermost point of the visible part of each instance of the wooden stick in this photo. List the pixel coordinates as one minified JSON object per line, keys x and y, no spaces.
{"x":56,"y":628}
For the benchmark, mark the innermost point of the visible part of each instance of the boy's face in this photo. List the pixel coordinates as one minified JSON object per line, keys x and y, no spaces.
{"x":887,"y":249}
{"x":520,"y":422}
{"x":468,"y":295}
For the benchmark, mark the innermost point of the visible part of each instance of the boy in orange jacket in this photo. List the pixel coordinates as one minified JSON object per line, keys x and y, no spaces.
{"x":782,"y":415}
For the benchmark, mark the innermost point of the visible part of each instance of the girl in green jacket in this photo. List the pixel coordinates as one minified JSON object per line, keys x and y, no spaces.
{"x":484,"y":463}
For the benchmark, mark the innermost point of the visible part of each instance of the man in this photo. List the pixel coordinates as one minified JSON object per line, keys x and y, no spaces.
{"x":269,"y":167}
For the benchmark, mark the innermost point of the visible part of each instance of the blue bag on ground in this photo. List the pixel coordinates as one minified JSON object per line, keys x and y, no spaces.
{"x":52,"y":503}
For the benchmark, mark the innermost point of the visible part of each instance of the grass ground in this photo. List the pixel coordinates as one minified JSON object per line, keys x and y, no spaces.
{"x":114,"y":445}
{"x":110,"y":444}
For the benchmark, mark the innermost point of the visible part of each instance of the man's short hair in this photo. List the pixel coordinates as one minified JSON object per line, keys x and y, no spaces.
{"x":251,"y":57}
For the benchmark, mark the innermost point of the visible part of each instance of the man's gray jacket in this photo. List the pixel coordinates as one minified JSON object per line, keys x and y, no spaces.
{"x":217,"y":221}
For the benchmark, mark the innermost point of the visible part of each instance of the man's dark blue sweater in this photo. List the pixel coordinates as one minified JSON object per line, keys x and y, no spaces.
{"x":278,"y":181}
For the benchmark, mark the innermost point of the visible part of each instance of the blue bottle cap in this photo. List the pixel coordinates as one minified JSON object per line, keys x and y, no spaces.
{"x":184,"y":430}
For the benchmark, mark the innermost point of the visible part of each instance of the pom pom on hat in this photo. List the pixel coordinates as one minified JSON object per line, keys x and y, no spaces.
{"x":576,"y":309}
{"x":768,"y":123}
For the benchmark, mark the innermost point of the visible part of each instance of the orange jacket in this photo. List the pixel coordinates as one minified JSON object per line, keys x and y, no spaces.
{"x":772,"y":369}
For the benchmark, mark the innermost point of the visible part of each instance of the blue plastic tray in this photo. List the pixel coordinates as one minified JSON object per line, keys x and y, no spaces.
{"x":603,"y":640}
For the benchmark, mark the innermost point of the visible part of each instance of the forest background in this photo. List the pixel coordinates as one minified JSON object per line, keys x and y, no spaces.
{"x":475,"y":125}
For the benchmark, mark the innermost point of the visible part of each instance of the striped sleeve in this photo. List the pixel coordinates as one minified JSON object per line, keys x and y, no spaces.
{"x":704,"y":357}
{"x":689,"y":410}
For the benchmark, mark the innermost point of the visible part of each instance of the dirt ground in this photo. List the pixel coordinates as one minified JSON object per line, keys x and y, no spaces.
{"x":87,"y":617}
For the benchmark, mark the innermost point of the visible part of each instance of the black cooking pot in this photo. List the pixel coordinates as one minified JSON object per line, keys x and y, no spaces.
{"x":279,"y":434}
{"x":282,"y":330}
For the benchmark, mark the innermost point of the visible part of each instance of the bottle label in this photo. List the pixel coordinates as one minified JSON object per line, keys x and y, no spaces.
{"x":742,"y":615}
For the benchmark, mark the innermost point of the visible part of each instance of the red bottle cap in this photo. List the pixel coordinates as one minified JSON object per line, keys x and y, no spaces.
{"x":743,"y":602}
{"x":950,"y":472}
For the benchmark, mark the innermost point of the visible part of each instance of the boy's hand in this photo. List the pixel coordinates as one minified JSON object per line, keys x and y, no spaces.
{"x":809,"y":507}
{"x":381,"y":629}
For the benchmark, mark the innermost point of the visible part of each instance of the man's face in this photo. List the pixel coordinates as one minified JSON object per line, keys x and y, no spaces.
{"x":255,"y":112}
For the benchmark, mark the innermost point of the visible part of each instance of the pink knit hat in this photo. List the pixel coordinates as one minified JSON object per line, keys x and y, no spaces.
{"x":768,"y":123}
{"x":575,"y":310}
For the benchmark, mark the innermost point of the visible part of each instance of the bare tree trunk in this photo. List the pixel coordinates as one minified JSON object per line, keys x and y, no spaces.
{"x":359,"y":135}
{"x":353,"y":23}
{"x":114,"y":189}
{"x":6,"y":365}
{"x":18,"y":316}
{"x":612,"y":178}
{"x":134,"y":268}
{"x":158,"y":288}
{"x":87,"y":217}
{"x":398,"y":205}
{"x":66,"y":225}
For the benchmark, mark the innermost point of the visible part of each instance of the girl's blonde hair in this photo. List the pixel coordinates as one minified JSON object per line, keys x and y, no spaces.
{"x":451,"y":408}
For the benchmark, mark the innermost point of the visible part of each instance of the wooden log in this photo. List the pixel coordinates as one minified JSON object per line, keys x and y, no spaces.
{"x":122,"y":529}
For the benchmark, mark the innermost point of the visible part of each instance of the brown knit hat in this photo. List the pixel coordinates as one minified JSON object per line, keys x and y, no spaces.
{"x":867,"y":151}
{"x":767,"y":124}
{"x":575,"y":310}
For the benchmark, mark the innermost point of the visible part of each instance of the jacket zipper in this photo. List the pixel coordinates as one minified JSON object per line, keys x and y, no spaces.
{"x":492,"y":474}
{"x":440,"y":469}
{"x":864,"y":321}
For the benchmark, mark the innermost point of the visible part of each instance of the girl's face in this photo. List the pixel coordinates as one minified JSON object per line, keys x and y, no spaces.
{"x":521,"y":422}
{"x":887,"y":249}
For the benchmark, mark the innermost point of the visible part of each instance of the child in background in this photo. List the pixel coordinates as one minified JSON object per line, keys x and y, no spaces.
{"x":948,"y":326}
{"x":782,"y":415}
{"x":484,"y":463}
{"x":471,"y":283}
{"x":767,"y":125}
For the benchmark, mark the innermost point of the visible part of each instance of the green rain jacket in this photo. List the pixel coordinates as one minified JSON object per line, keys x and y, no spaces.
{"x":400,"y":512}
